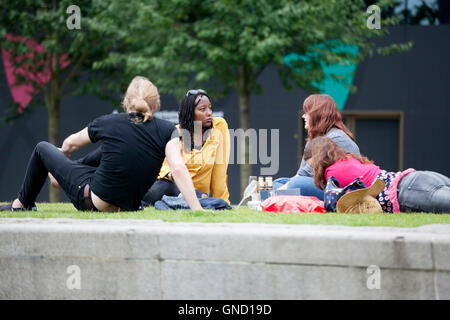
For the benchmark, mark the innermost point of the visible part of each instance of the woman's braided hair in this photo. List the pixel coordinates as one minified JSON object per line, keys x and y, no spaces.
{"x":186,"y":118}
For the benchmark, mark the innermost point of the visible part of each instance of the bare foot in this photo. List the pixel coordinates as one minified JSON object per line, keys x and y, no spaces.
{"x":17,"y":204}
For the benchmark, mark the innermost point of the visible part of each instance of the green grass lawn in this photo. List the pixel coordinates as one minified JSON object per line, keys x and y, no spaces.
{"x":242,"y":215}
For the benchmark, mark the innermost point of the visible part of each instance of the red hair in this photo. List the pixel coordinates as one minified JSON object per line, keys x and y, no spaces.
{"x":323,"y":116}
{"x":322,"y":152}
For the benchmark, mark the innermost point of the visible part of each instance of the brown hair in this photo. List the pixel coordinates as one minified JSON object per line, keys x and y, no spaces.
{"x":141,"y":97}
{"x":323,"y":116}
{"x":322,"y":152}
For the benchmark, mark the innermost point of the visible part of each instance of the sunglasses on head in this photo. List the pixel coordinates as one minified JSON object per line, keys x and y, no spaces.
{"x":195,"y":92}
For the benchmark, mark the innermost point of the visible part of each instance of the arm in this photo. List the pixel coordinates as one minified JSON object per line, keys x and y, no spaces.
{"x":345,"y":142}
{"x":180,"y":174}
{"x":219,"y":179}
{"x":75,"y":141}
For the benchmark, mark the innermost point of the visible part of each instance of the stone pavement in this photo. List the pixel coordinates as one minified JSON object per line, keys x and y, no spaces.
{"x":148,"y":259}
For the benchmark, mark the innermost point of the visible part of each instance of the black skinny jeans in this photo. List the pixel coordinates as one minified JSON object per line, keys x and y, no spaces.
{"x":164,"y":187}
{"x":72,"y":176}
{"x":160,"y":188}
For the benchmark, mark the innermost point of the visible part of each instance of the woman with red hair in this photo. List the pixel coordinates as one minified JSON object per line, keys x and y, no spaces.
{"x":322,"y":118}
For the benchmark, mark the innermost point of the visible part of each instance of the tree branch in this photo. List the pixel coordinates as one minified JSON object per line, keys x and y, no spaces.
{"x":74,"y":70}
{"x":254,"y":76}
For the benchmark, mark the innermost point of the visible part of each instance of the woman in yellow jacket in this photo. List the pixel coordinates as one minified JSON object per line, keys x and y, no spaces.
{"x":205,"y":148}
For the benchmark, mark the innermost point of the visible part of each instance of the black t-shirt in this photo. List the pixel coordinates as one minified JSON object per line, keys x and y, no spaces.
{"x":132,"y":155}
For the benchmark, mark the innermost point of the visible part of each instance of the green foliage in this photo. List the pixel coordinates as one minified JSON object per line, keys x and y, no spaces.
{"x":188,"y":43}
{"x":44,"y":22}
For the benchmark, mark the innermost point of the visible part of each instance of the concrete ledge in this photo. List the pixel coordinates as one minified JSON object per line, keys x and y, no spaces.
{"x":141,"y":259}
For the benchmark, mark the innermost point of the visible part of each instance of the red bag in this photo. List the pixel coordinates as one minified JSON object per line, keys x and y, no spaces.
{"x":293,"y":204}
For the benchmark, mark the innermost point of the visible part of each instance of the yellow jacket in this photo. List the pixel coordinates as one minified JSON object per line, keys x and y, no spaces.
{"x":208,"y":166}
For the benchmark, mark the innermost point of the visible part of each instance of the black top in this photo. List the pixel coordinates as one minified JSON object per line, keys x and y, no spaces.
{"x":132,"y":155}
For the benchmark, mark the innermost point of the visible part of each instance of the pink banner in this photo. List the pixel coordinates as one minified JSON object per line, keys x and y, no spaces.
{"x":23,"y":93}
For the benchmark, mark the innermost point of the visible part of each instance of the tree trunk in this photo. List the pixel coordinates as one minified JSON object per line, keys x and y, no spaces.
{"x":244,"y":121}
{"x":53,"y":102}
{"x":53,"y":132}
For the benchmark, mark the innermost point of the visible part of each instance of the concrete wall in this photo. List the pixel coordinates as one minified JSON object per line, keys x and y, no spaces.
{"x":126,"y":259}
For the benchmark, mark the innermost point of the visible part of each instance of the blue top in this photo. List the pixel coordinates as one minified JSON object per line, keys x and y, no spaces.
{"x":341,"y":139}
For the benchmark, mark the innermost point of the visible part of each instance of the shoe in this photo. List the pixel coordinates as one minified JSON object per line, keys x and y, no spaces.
{"x":9,"y":207}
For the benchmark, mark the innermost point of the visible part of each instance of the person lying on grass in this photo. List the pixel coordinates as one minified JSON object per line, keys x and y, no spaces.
{"x":133,"y":144}
{"x":405,"y":191}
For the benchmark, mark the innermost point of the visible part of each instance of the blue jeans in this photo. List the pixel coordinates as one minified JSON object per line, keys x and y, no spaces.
{"x":424,"y":191}
{"x":178,"y":203}
{"x":304,"y":183}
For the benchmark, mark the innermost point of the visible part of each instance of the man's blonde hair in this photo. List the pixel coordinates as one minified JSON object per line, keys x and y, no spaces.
{"x":141,"y":97}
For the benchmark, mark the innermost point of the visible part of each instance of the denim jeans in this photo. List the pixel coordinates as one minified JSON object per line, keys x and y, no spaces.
{"x":424,"y":191}
{"x":71,"y":176}
{"x":304,"y":183}
{"x":178,"y":203}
